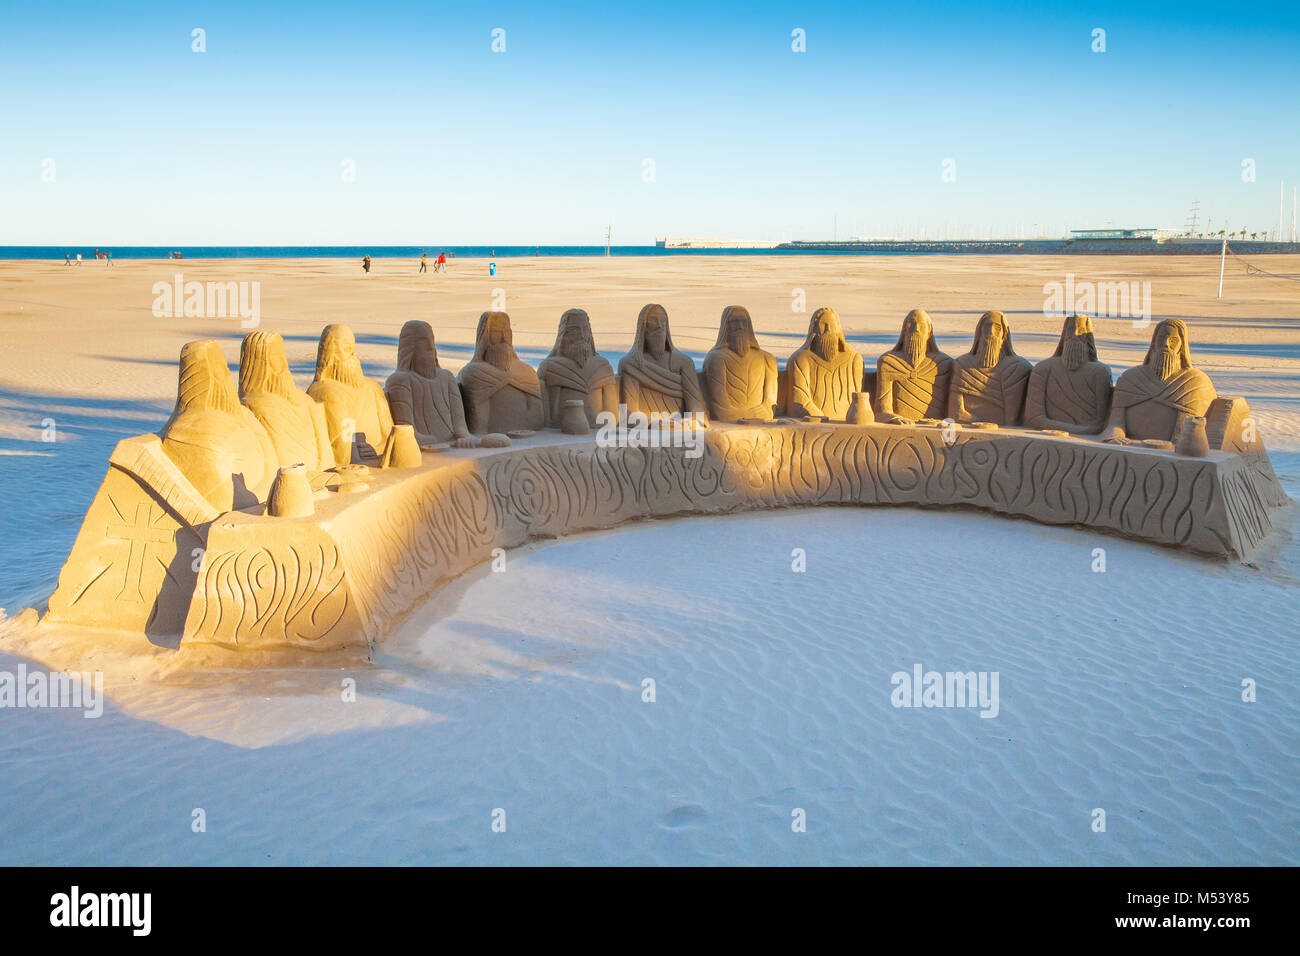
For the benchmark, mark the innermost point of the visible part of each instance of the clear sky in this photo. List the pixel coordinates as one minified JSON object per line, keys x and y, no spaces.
{"x":547,"y":142}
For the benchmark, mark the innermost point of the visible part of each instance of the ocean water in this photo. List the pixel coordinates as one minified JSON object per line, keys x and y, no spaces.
{"x":381,"y":252}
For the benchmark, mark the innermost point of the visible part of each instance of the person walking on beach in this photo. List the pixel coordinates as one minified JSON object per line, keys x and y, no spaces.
{"x":365,"y":263}
{"x":78,"y":258}
{"x":442,"y":262}
{"x":67,"y":259}
{"x":108,"y":256}
{"x":424,"y":262}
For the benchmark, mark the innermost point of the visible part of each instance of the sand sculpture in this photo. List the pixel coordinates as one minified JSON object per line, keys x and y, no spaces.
{"x":654,"y":377}
{"x":912,"y":378}
{"x":356,"y":409}
{"x":202,"y":535}
{"x":294,"y":420}
{"x":502,"y":392}
{"x":1153,"y":399}
{"x":824,"y":372}
{"x":218,"y":444}
{"x":132,"y":564}
{"x":1070,"y":391}
{"x":740,"y":379}
{"x":423,"y":394}
{"x":574,"y":371}
{"x":989,"y":381}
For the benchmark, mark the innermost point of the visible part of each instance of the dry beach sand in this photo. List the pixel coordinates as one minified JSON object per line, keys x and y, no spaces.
{"x":523,"y":690}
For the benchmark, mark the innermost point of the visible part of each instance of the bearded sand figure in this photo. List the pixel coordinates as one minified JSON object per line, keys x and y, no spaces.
{"x":217,"y":443}
{"x":1070,"y":391}
{"x":912,"y":378}
{"x":1153,"y":399}
{"x":423,"y":394}
{"x":989,"y":381}
{"x":824,"y":372}
{"x":502,"y":393}
{"x":740,"y":379}
{"x":574,"y":371}
{"x":656,"y":378}
{"x":354,"y":405}
{"x":294,"y":421}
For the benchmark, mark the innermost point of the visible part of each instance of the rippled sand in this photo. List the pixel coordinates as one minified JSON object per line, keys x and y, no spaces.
{"x":523,"y":691}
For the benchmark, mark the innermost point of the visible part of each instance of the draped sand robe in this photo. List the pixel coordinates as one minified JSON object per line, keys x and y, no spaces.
{"x":994,"y":394}
{"x":499,"y":400}
{"x":904,"y":390}
{"x":739,"y":386}
{"x":1188,"y":392}
{"x":350,"y":409}
{"x":663,"y":386}
{"x":822,"y":387}
{"x":431,"y":405}
{"x":217,"y":443}
{"x":564,"y":380}
{"x":294,"y":421}
{"x":1077,"y":402}
{"x":1146,"y":406}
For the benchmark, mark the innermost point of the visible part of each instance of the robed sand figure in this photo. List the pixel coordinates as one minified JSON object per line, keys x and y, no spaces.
{"x":824,"y":372}
{"x":502,"y":392}
{"x":740,"y":379}
{"x":989,"y":381}
{"x":294,"y":420}
{"x":1070,"y":391}
{"x":1153,"y":399}
{"x":423,"y":394}
{"x":912,"y":378}
{"x":354,"y":404}
{"x":217,"y":443}
{"x":654,"y":377}
{"x":574,"y":371}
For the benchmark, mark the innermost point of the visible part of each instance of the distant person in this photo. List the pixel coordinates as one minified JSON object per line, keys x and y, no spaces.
{"x":424,"y":262}
{"x":108,"y":256}
{"x":442,"y":262}
{"x":78,"y":258}
{"x":365,"y":263}
{"x":67,"y":259}
{"x":96,"y":253}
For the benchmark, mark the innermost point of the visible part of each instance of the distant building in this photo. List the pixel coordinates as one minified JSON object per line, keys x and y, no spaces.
{"x":1148,"y":234}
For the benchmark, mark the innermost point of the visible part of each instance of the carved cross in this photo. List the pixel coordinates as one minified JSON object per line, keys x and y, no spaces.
{"x":139,"y":534}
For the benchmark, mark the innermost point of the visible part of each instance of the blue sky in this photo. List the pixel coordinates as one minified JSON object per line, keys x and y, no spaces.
{"x":548,"y":141}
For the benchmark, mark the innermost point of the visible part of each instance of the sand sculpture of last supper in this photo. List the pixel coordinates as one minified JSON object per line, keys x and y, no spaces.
{"x":264,"y":517}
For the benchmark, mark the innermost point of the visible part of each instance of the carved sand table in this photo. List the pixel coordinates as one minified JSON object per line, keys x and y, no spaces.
{"x":347,"y":575}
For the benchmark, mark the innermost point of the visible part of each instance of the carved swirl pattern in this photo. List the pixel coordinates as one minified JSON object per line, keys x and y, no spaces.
{"x":385,"y":554}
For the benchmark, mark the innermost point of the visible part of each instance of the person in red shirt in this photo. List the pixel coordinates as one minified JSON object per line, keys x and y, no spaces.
{"x":442,"y":262}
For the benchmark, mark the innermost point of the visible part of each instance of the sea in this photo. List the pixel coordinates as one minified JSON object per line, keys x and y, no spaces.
{"x":375,"y":252}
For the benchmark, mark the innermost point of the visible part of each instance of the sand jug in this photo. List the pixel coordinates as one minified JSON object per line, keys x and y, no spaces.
{"x":1192,"y":440}
{"x":291,"y":494}
{"x":403,"y":450}
{"x":860,"y":412}
{"x":573,"y":417}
